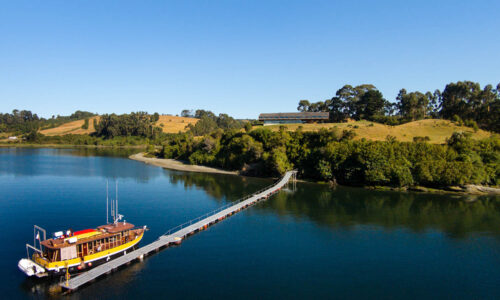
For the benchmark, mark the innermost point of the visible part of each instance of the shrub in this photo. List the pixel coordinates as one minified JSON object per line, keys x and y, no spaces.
{"x":85,"y":124}
{"x":421,"y":139}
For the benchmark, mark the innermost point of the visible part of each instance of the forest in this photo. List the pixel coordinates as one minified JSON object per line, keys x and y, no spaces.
{"x":139,"y":124}
{"x":24,"y":121}
{"x":330,"y":155}
{"x":463,"y":101}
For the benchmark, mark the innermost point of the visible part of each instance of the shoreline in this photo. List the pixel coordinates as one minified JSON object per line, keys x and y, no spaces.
{"x":173,"y":164}
{"x":20,"y":145}
{"x":468,"y":189}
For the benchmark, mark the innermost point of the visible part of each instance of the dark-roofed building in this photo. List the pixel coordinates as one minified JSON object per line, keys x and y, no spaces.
{"x":291,"y":118}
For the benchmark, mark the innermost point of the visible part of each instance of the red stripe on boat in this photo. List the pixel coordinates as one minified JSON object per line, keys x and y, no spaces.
{"x":83,"y":231}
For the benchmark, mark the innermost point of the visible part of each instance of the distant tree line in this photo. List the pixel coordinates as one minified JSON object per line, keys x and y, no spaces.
{"x":463,"y":101}
{"x":24,"y":121}
{"x":331,"y":155}
{"x":139,"y":124}
{"x":209,"y":122}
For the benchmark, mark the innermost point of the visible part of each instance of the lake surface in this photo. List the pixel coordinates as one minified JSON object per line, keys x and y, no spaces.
{"x":311,"y":243}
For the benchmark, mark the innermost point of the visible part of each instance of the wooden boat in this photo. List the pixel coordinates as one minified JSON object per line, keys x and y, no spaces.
{"x":73,"y":252}
{"x":81,"y":250}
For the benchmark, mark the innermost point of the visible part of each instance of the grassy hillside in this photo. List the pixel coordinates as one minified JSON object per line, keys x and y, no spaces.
{"x":169,"y":124}
{"x":74,"y":127}
{"x":173,"y":124}
{"x":436,"y":130}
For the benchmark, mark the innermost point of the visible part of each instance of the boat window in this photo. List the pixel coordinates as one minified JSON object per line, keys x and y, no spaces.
{"x":53,"y":255}
{"x":48,"y":253}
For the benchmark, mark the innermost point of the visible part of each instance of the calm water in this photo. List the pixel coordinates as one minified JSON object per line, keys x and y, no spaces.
{"x":316,"y":242}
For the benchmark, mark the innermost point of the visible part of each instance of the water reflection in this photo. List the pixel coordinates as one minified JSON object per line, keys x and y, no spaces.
{"x":354,"y":260}
{"x":219,"y":186}
{"x":80,"y":162}
{"x":50,"y":288}
{"x":347,"y":207}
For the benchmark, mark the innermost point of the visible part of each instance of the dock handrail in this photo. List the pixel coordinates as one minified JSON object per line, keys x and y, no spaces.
{"x":219,"y":209}
{"x":182,"y":230}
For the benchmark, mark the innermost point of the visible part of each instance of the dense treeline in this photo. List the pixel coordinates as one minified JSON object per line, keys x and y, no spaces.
{"x":331,"y":155}
{"x":139,"y":124}
{"x":458,"y":101}
{"x":209,"y":122}
{"x":19,"y":121}
{"x":92,"y":140}
{"x":24,"y":121}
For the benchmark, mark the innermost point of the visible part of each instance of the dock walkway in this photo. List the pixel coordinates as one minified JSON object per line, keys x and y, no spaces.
{"x":176,"y":234}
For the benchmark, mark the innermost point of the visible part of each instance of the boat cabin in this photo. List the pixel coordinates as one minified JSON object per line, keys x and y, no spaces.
{"x":88,"y":241}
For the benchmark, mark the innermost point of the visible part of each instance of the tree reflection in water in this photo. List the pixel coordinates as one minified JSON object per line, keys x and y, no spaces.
{"x":455,"y":215}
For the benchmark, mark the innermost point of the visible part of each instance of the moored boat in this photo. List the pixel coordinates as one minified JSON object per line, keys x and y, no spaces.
{"x":72,"y":252}
{"x":80,"y":250}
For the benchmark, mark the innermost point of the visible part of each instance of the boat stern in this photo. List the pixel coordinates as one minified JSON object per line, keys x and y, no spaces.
{"x":31,"y":268}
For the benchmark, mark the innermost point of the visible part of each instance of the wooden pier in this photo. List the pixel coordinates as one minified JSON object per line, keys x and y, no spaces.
{"x":175,"y":235}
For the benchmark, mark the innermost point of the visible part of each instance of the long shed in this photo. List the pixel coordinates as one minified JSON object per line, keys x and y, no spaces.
{"x":291,"y":118}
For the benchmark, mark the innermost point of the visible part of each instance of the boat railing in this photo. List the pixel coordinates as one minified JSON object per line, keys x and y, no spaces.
{"x":219,"y":209}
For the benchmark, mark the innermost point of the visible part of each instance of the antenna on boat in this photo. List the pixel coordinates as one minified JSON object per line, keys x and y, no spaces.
{"x":116,"y":191}
{"x":112,"y":210}
{"x":116,"y":216}
{"x":107,"y":213}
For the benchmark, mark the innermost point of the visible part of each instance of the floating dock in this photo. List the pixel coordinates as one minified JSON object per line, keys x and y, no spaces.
{"x":175,"y":235}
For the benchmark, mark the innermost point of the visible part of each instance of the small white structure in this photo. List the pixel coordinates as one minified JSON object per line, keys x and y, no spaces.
{"x":12,"y":138}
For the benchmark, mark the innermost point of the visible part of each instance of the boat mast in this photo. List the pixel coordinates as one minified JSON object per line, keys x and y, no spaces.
{"x":116,"y":213}
{"x":107,"y":205}
{"x":112,"y":210}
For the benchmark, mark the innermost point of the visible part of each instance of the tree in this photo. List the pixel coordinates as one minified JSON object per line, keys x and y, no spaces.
{"x":209,"y":122}
{"x":434,"y":103}
{"x":133,"y":124}
{"x":204,"y":126}
{"x":303,"y":105}
{"x":337,"y":111}
{"x":370,"y":104}
{"x":155,"y":117}
{"x":186,"y":113}
{"x":200,"y":113}
{"x":85,"y":124}
{"x":468,"y":101}
{"x":248,"y":127}
{"x":350,"y":96}
{"x":412,"y":106}
{"x":78,"y":115}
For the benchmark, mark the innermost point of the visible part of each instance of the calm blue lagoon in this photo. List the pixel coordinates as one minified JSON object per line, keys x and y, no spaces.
{"x":315,"y":242}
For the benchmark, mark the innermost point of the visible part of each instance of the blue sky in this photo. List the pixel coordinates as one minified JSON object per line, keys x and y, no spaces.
{"x":237,"y":57}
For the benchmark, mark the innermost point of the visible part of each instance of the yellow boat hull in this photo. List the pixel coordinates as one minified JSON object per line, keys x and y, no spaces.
{"x":88,"y":260}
